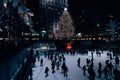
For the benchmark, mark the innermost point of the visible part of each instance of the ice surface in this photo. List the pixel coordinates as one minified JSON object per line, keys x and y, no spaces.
{"x":75,"y":73}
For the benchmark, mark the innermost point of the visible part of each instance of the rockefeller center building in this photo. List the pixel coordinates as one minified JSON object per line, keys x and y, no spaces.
{"x":47,"y":13}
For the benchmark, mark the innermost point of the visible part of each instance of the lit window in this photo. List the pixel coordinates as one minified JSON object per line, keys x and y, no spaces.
{"x":44,"y":47}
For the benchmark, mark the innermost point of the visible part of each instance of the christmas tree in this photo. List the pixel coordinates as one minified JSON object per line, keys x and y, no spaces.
{"x":65,"y":26}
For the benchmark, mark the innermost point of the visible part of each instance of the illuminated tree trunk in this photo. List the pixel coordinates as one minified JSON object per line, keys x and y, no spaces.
{"x":65,"y":27}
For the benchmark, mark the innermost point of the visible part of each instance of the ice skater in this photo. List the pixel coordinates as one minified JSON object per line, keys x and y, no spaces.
{"x":84,"y":70}
{"x":41,"y":62}
{"x":46,"y":71}
{"x":78,"y":62}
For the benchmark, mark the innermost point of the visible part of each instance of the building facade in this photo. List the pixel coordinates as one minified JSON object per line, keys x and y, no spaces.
{"x":47,"y":14}
{"x":53,"y":11}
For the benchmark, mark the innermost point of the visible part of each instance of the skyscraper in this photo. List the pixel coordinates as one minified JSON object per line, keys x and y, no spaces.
{"x":47,"y":14}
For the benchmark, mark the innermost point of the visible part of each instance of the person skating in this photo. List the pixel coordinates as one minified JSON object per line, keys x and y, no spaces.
{"x":105,"y":70}
{"x":37,"y":55}
{"x":30,"y":73}
{"x":116,"y":73}
{"x":62,"y":68}
{"x":53,"y":66}
{"x":65,"y":71}
{"x":99,"y":73}
{"x":99,"y":70}
{"x":64,"y":60}
{"x":99,"y":54}
{"x":57,"y":64}
{"x":78,"y":62}
{"x":93,"y":74}
{"x":87,"y":61}
{"x":100,"y":65}
{"x":110,"y":56}
{"x":84,"y":70}
{"x":33,"y":60}
{"x":46,"y":71}
{"x":41,"y":62}
{"x":116,"y":61}
{"x":110,"y":67}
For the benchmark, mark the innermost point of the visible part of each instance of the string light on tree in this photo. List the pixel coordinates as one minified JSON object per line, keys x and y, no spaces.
{"x":5,"y":5}
{"x":65,"y":26}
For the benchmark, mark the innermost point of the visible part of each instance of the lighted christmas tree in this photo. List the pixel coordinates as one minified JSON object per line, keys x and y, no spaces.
{"x":65,"y":26}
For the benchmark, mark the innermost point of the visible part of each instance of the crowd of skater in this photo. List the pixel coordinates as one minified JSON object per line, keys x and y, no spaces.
{"x":58,"y":62}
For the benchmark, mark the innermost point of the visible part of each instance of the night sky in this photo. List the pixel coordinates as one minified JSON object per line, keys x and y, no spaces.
{"x":86,"y":14}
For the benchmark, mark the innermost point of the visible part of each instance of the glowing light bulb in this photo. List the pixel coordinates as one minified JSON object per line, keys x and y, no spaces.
{"x":65,"y":9}
{"x":5,"y":5}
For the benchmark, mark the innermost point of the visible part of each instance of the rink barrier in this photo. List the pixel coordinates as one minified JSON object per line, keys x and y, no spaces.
{"x":18,"y":70}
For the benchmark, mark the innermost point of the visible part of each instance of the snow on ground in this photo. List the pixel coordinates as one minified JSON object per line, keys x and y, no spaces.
{"x":75,"y":73}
